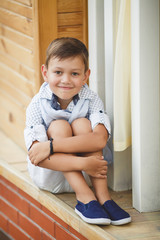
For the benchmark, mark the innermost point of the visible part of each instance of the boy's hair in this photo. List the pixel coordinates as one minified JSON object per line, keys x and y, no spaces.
{"x":67,"y":47}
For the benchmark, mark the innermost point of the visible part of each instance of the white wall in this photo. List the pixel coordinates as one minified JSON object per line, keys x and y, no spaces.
{"x":145,"y":105}
{"x":145,"y":96}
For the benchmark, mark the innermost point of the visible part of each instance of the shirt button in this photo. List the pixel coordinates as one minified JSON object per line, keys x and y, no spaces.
{"x":101,"y":111}
{"x":31,"y":126}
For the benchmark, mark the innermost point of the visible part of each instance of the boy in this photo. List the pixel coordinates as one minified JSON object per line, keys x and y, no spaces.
{"x":66,"y":131}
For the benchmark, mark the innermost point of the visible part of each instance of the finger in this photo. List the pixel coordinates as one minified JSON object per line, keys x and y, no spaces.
{"x":30,"y":152}
{"x":35,"y":163}
{"x":101,"y":176}
{"x":104,"y":168}
{"x":104,"y":162}
{"x":32,"y":161}
{"x":104,"y":172}
{"x":30,"y":155}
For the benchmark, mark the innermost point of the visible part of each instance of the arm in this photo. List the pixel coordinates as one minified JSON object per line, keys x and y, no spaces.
{"x":90,"y":142}
{"x":94,"y":166}
{"x":35,"y":129}
{"x":93,"y":141}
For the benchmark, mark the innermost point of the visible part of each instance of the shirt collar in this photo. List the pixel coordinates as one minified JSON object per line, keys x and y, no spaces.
{"x":55,"y":104}
{"x":85,"y":92}
{"x":45,"y":92}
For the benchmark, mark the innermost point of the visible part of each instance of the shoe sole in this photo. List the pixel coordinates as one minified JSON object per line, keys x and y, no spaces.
{"x":98,"y":221}
{"x":121,"y":222}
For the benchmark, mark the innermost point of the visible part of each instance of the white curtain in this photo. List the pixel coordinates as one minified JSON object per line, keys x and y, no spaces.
{"x":122,"y":77}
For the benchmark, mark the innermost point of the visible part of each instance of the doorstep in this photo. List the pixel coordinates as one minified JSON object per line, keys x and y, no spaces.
{"x":13,"y":168}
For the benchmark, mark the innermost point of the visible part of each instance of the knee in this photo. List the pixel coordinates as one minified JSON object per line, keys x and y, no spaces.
{"x":81,"y":126}
{"x":59,"y":128}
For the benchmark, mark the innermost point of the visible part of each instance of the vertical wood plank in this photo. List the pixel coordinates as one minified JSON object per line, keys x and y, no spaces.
{"x":85,"y":22}
{"x":45,"y":30}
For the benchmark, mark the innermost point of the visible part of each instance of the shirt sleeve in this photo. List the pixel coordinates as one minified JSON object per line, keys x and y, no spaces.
{"x":97,"y":114}
{"x":35,"y":128}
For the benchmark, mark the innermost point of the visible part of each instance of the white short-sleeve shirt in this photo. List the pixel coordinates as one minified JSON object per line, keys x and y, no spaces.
{"x":44,"y":108}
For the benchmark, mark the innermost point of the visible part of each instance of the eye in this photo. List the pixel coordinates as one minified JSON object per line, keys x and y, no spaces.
{"x":75,"y":74}
{"x":58,"y":72}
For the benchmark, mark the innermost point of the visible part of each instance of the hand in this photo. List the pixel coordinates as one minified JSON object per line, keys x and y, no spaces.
{"x":38,"y":152}
{"x":96,"y":166}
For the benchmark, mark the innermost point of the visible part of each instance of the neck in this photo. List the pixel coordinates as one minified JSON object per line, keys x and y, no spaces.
{"x":64,"y":103}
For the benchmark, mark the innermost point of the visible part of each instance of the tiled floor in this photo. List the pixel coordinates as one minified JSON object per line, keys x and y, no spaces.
{"x":144,"y":226}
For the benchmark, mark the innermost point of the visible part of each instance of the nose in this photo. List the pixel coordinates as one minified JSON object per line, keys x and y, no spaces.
{"x":65,"y":79}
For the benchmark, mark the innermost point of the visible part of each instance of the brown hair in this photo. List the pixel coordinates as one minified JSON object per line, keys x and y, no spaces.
{"x":63,"y":48}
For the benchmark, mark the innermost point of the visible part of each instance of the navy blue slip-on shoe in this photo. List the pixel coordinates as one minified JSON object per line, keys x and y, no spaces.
{"x":117,"y":215}
{"x":92,"y":212}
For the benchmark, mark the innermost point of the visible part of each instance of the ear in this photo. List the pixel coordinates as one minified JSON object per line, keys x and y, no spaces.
{"x":86,"y":76}
{"x":44,"y":71}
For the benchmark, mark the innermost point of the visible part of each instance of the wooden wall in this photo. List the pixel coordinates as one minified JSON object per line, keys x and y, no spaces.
{"x":72,"y":19}
{"x":16,"y":65}
{"x":26,"y":29}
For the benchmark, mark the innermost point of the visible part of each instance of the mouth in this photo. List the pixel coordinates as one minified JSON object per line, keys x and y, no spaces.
{"x":65,"y":87}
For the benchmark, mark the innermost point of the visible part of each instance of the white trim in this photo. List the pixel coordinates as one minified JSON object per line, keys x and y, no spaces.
{"x":145,"y":105}
{"x":96,"y":46}
{"x":109,"y":56}
{"x":135,"y":66}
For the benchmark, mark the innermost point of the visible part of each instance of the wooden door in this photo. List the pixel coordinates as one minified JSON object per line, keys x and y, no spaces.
{"x":26,"y":29}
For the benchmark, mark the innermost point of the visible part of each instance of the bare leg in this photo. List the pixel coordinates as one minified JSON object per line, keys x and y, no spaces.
{"x":59,"y":129}
{"x":80,"y":187}
{"x":101,"y":189}
{"x":94,"y":166}
{"x":82,"y":126}
{"x":117,"y":215}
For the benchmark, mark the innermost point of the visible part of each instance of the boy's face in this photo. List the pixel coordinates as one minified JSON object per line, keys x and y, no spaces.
{"x":65,"y":78}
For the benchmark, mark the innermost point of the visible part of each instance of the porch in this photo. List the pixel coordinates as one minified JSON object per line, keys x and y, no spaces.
{"x":20,"y":79}
{"x":33,"y":203}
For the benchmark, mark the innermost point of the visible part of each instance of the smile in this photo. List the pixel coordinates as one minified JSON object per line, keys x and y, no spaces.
{"x":65,"y":87}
